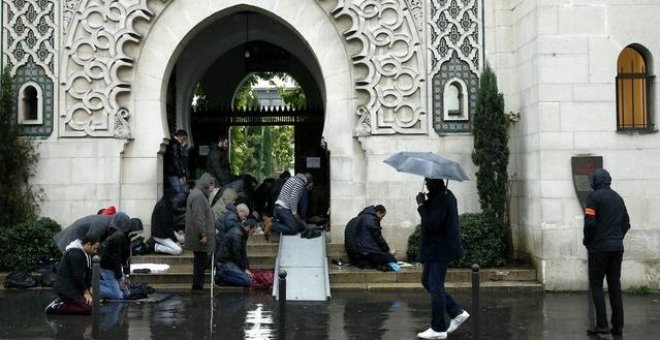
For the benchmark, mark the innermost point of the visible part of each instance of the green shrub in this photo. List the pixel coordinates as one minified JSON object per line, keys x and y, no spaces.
{"x":413,"y":244}
{"x":638,"y":290}
{"x":22,"y":244}
{"x":480,"y":237}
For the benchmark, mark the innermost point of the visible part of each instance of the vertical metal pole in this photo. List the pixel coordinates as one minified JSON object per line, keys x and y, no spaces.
{"x":282,"y":304}
{"x":96,"y":294}
{"x":475,"y":300}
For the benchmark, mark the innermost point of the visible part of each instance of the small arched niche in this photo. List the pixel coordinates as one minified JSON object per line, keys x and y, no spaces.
{"x":455,"y":100}
{"x":30,"y":108}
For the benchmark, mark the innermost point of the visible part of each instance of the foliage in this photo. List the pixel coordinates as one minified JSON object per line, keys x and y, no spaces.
{"x":412,"y":253}
{"x":22,"y":244}
{"x":293,"y":96}
{"x":491,"y":150}
{"x":263,"y":151}
{"x":480,"y":238}
{"x":638,"y":290}
{"x":18,"y":158}
{"x":482,"y":241}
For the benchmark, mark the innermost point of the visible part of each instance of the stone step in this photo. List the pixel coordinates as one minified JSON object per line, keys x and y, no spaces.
{"x":179,"y":277}
{"x":351,"y":276}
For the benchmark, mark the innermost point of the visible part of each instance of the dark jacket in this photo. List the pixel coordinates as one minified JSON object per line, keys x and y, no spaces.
{"x":115,"y":252}
{"x":98,"y":225}
{"x":162,"y":222}
{"x":368,"y":236}
{"x":199,"y":217}
{"x":176,"y":161}
{"x":350,"y":239}
{"x":606,"y":219}
{"x":440,"y":239}
{"x":74,"y":274}
{"x":230,"y":219}
{"x":233,"y":248}
{"x":217,"y":164}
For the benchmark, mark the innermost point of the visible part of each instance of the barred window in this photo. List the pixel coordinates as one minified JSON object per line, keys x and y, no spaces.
{"x":634,"y":85}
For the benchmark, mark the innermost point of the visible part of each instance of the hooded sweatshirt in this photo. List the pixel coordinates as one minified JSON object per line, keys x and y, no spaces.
{"x":74,"y":273}
{"x":606,"y":219}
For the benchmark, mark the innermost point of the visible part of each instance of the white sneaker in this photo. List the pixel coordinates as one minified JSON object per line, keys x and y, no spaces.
{"x":431,"y":334}
{"x":457,"y":321}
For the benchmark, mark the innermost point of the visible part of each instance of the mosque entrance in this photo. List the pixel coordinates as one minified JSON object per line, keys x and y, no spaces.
{"x":211,"y":71}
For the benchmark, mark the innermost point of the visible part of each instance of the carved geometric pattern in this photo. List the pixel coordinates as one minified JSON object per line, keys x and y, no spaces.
{"x":415,"y":7}
{"x":454,"y":52}
{"x":99,"y":69}
{"x":390,"y":68}
{"x":29,"y":51}
{"x":69,"y":10}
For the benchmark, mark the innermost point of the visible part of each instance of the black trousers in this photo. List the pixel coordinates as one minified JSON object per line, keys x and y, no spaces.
{"x":606,"y":265}
{"x":200,"y":262}
{"x":373,"y":259}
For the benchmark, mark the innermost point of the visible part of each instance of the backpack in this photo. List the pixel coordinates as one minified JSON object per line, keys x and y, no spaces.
{"x":20,"y":279}
{"x":47,"y":267}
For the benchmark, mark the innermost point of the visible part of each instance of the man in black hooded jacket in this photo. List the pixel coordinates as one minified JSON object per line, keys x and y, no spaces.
{"x":606,"y":223}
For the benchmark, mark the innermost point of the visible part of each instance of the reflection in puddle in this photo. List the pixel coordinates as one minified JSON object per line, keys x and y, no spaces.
{"x":259,"y":324}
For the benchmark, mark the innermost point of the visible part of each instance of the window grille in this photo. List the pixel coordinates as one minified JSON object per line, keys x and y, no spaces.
{"x":633,"y":91}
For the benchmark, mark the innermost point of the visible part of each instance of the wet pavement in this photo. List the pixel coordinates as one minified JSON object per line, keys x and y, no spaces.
{"x":348,"y":315}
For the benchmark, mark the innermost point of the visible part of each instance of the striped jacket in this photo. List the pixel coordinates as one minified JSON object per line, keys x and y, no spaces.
{"x":291,"y":193}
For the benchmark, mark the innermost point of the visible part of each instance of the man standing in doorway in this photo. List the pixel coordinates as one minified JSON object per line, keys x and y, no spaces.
{"x":606,"y":223}
{"x":200,"y":229}
{"x":176,"y":167}
{"x":217,"y":163}
{"x":440,"y":243}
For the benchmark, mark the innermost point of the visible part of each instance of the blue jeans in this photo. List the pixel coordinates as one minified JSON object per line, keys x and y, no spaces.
{"x":285,"y":223}
{"x":181,"y":191}
{"x":433,"y":280}
{"x":229,"y":273}
{"x":109,"y":286}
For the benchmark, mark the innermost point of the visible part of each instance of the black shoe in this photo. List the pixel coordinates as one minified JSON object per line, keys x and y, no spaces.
{"x":617,"y":331}
{"x":198,"y":291}
{"x":598,"y":330}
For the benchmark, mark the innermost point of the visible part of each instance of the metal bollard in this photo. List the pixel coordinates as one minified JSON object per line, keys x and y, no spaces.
{"x":475,"y":299}
{"x":282,"y":304}
{"x":96,"y":294}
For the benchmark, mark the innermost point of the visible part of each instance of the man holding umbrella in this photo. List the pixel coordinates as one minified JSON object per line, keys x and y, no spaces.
{"x":440,"y":240}
{"x":440,"y":244}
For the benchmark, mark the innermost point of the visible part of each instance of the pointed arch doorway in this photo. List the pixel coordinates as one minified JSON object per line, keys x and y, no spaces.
{"x":187,"y":43}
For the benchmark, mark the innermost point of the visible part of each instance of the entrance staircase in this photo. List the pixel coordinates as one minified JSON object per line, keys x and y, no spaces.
{"x":263,"y":254}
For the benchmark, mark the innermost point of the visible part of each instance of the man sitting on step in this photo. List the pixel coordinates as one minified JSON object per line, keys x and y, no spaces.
{"x":231,"y":258}
{"x":364,"y":241}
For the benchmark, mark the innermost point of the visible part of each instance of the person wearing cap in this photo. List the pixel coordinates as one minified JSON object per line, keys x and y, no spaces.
{"x":606,"y":223}
{"x":115,"y":254}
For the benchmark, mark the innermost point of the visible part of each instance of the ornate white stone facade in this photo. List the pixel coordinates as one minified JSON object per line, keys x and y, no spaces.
{"x":383,"y":67}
